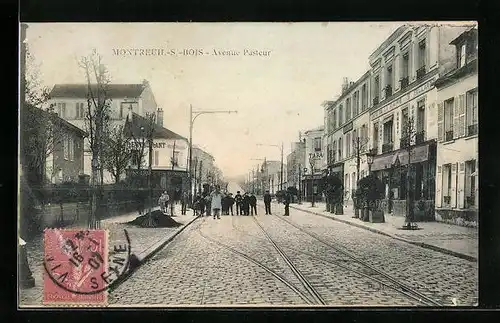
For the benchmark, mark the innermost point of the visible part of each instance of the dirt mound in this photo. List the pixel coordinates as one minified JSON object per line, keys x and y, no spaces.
{"x":160,"y":220}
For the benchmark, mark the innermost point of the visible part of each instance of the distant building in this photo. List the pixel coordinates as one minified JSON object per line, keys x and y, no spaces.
{"x":296,"y":167}
{"x":169,"y":159}
{"x":313,"y":163}
{"x":64,"y":162}
{"x":70,"y":101}
{"x":457,"y":176}
{"x":202,"y":169}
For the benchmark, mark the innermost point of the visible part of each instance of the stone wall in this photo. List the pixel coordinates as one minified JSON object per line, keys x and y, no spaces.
{"x":466,"y":218}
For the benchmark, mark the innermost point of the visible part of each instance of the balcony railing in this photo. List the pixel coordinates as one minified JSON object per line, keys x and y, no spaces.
{"x":404,"y":82}
{"x":388,"y":91}
{"x":375,"y":100}
{"x":447,"y":200}
{"x":420,"y":72}
{"x":387,"y":147}
{"x":448,"y":135}
{"x":472,"y":130}
{"x":420,"y":137}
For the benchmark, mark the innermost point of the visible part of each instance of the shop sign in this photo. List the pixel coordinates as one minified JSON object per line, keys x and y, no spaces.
{"x":316,"y":155}
{"x":404,"y":98}
{"x":348,"y":127}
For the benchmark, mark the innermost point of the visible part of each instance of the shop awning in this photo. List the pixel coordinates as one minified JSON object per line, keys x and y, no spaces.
{"x":418,"y":154}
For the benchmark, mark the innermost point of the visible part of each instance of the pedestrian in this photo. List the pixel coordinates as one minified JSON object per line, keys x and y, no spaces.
{"x":267,"y":202}
{"x":238,"y":200}
{"x":201,"y":203}
{"x":286,"y":201}
{"x":253,"y":203}
{"x":216,"y":201}
{"x":231,"y":202}
{"x":224,"y":203}
{"x":184,"y":202}
{"x":245,"y":204}
{"x":208,"y":205}
{"x":161,"y":202}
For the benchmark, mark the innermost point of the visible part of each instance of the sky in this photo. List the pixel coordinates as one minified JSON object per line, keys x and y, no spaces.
{"x":276,"y":96}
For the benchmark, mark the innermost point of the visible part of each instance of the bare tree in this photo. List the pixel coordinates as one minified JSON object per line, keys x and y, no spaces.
{"x":97,"y":119}
{"x":39,"y":130}
{"x":359,"y":145}
{"x":117,"y":152}
{"x":408,"y":136}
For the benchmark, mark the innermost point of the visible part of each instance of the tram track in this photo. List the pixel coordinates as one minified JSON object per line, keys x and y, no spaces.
{"x":276,"y":275}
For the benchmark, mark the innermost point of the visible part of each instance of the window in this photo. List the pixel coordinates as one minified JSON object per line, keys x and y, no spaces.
{"x":317,"y":144}
{"x":71,"y":144}
{"x":353,"y":181}
{"x":375,"y":136}
{"x":334,"y":152}
{"x":334,"y":119}
{"x":404,"y":121}
{"x":341,"y":115}
{"x":340,"y":148}
{"x":61,"y":110}
{"x":389,"y":80}
{"x":446,"y":184}
{"x":472,"y":107}
{"x":355,"y":104}
{"x":364,"y":97}
{"x":405,"y":65}
{"x":388,"y":132}
{"x":348,"y":110}
{"x":80,"y":110}
{"x":421,"y":54}
{"x":66,"y":147}
{"x":156,"y":161}
{"x":348,"y":145}
{"x":420,"y":116}
{"x":470,"y":182}
{"x":175,"y":160}
{"x":376,"y":88}
{"x":461,"y":56}
{"x":364,"y":136}
{"x":124,"y":108}
{"x":448,"y":119}
{"x":346,"y":184}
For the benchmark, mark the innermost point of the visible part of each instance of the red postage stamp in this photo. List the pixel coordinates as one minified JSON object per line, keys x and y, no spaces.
{"x":75,"y":263}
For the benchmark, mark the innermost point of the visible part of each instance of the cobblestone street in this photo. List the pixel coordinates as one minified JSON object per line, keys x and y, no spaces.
{"x":303,"y":259}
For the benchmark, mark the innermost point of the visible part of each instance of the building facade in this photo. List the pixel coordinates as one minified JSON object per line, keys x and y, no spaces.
{"x":346,"y":131}
{"x":203,"y":166}
{"x":397,"y":110}
{"x":457,"y":176}
{"x":313,"y":162}
{"x":70,"y":102}
{"x":169,"y":154}
{"x":404,"y":112}
{"x":295,"y":164}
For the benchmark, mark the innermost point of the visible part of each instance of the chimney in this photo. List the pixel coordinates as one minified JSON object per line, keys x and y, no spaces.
{"x":159,"y":117}
{"x":345,"y":84}
{"x":145,"y":83}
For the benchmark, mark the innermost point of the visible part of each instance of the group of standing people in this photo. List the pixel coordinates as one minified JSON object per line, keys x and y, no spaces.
{"x":208,"y":203}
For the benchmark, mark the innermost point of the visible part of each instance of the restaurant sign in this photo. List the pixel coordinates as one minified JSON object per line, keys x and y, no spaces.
{"x":404,"y":98}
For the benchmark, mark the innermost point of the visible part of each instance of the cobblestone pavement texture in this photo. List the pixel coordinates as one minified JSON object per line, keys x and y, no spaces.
{"x":196,"y":268}
{"x":141,"y":239}
{"x":459,"y":239}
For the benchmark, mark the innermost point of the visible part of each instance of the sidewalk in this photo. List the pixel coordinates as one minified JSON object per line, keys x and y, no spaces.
{"x":145,"y":242}
{"x":462,"y":242}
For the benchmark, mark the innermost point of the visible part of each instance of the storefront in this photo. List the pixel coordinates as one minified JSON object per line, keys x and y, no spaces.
{"x":391,"y":168}
{"x":172,"y":181}
{"x":313,"y":184}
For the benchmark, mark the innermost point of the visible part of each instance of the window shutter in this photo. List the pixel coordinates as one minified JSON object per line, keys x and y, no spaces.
{"x":461,"y":116}
{"x":440,"y":122}
{"x":456,"y":118}
{"x":453,"y":198}
{"x":439,"y":184}
{"x":461,"y":185}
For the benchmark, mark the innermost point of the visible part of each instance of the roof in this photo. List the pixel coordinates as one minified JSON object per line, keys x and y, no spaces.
{"x":81,"y":90}
{"x":138,"y":122}
{"x":468,"y":33}
{"x":55,"y":118}
{"x":320,"y":128}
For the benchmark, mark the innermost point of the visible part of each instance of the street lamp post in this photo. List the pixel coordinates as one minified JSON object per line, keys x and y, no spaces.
{"x":312,"y":162}
{"x":193,"y":115}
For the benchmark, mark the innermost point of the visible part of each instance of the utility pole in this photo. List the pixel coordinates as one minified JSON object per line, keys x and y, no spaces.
{"x":281,"y":175}
{"x":300,"y":184}
{"x":358,"y":162}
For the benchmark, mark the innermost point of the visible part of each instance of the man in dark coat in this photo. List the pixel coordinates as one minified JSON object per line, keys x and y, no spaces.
{"x":245,"y":204}
{"x":230,"y":201}
{"x":184,"y":202}
{"x":286,"y":201}
{"x":267,"y":202}
{"x":238,"y":200}
{"x":253,"y":204}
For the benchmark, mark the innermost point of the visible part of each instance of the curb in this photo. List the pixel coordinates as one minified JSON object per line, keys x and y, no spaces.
{"x":137,"y":261}
{"x":416,"y":243}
